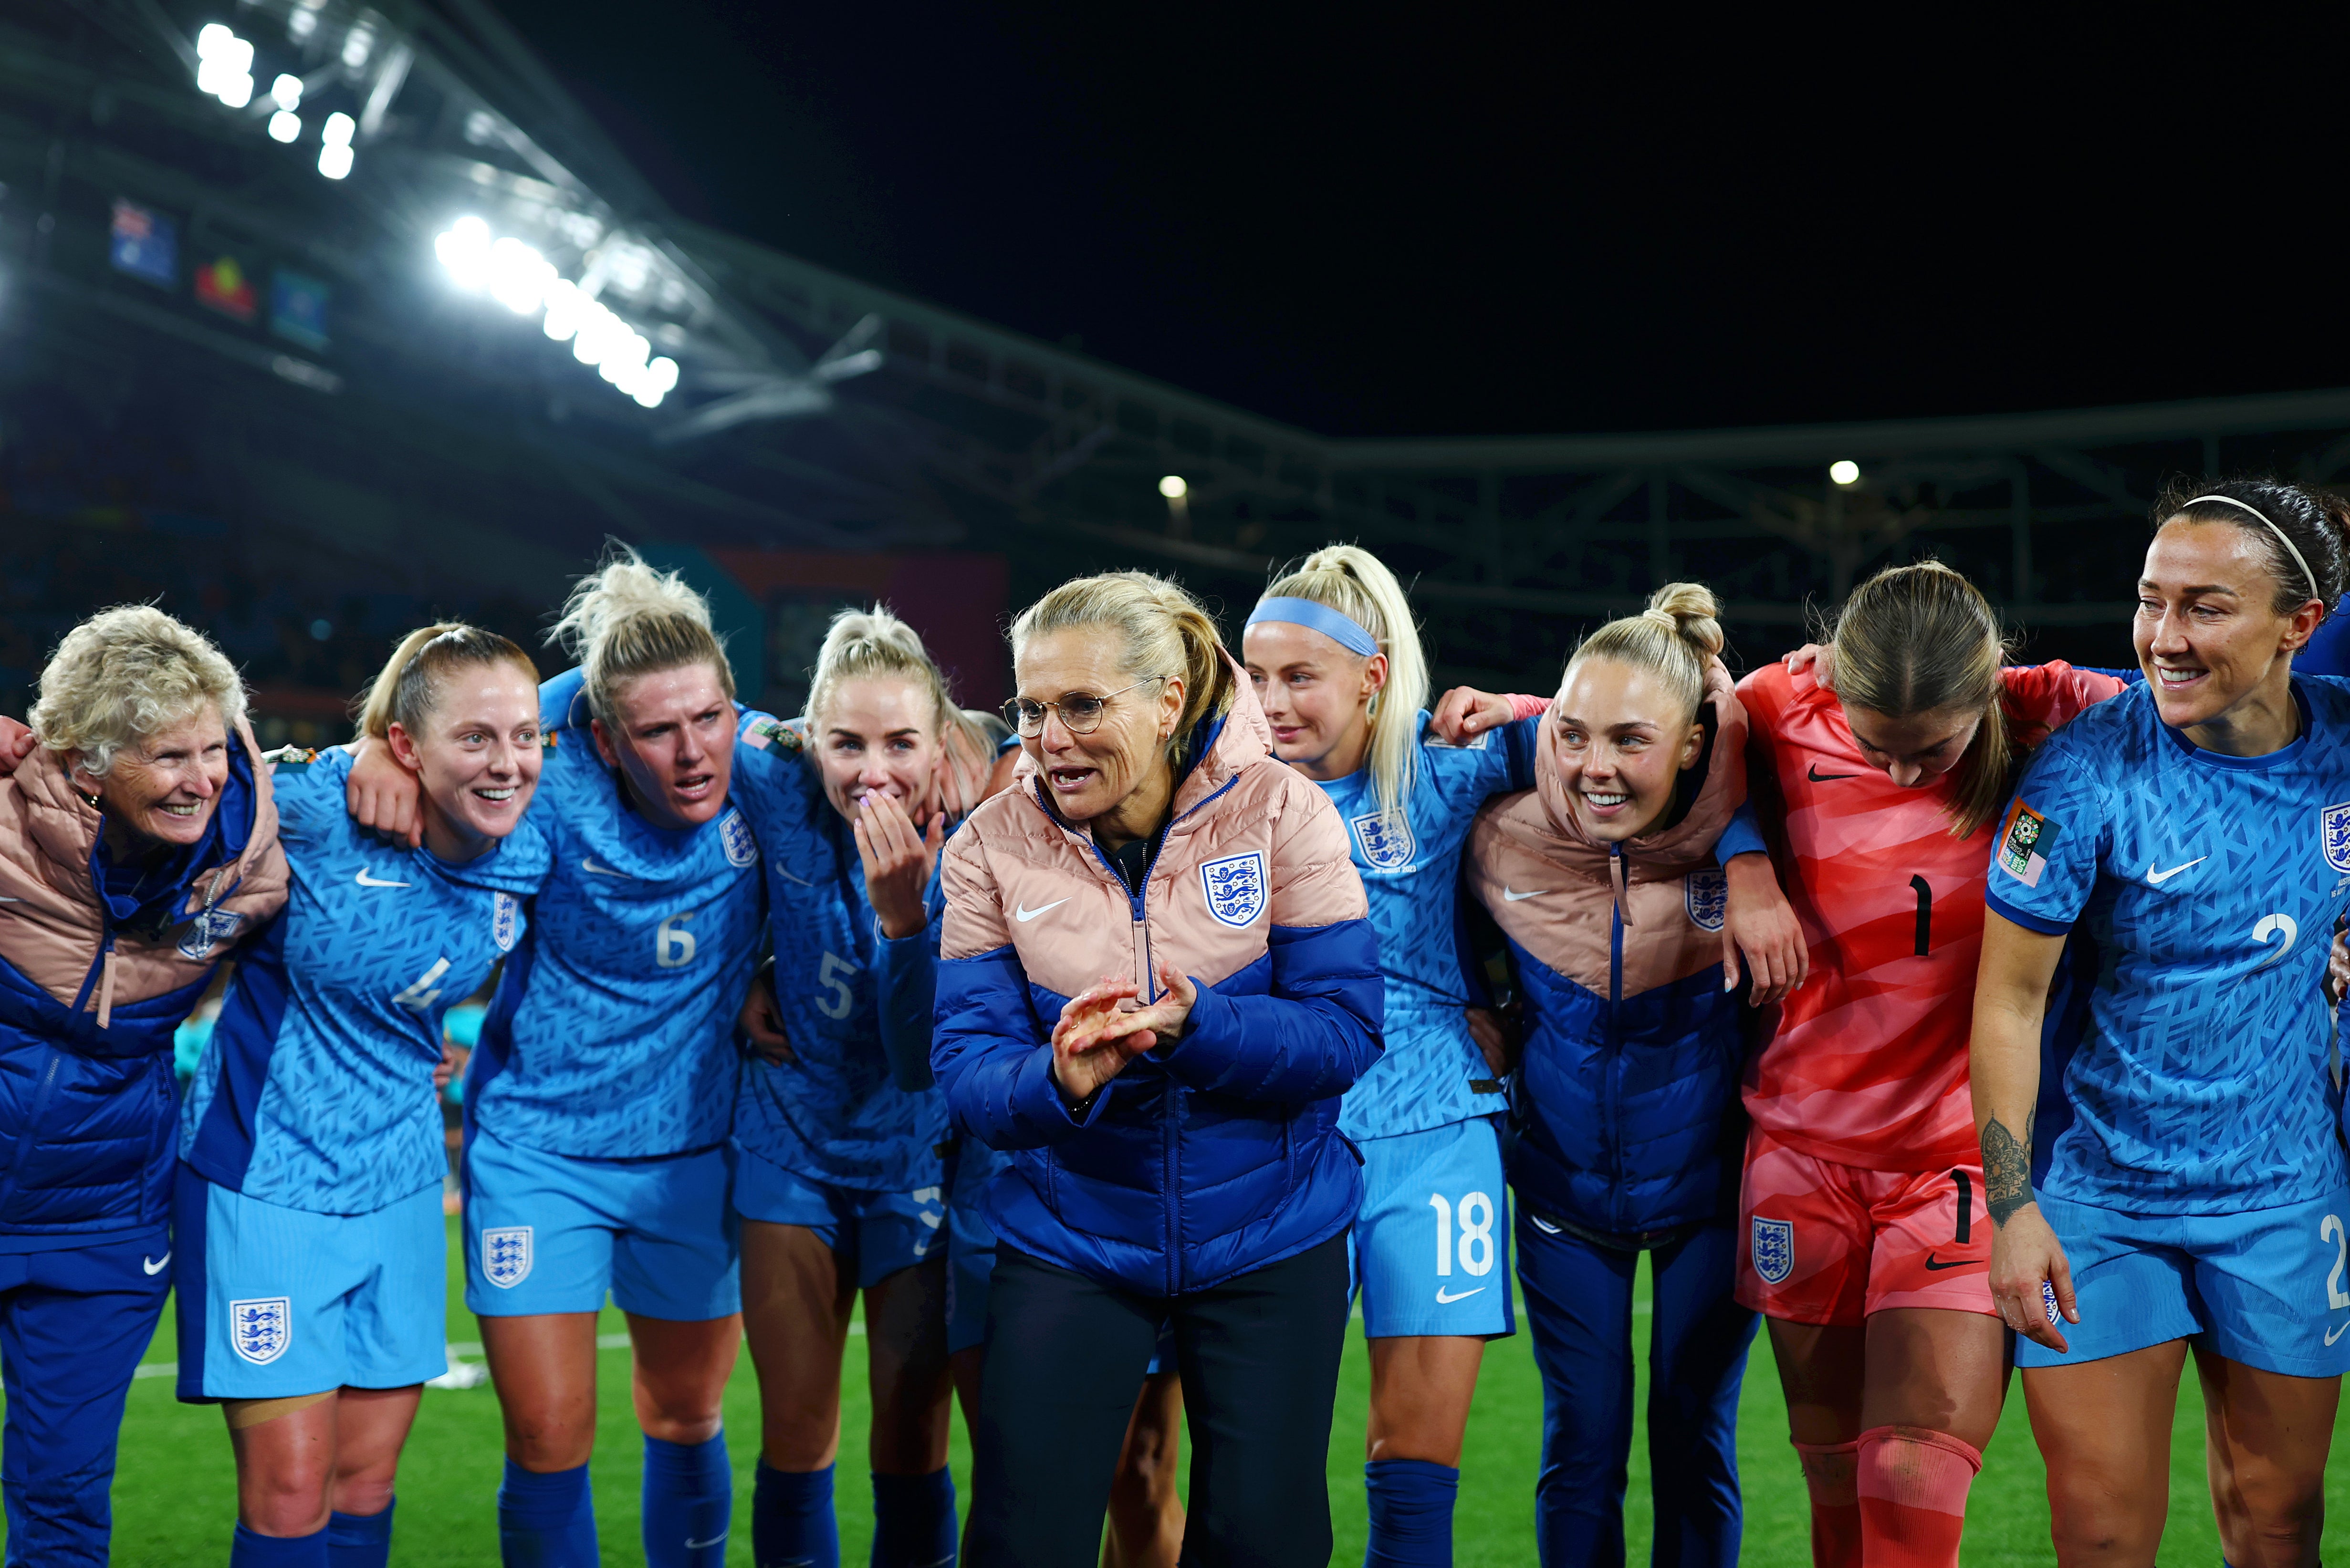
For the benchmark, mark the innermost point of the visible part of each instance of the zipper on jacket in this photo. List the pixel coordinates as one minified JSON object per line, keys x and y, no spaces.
{"x":1611,"y":1101}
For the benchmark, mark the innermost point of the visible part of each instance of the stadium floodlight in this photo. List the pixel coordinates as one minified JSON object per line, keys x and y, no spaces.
{"x":655,"y":383}
{"x":464,"y":249}
{"x":286,"y":91}
{"x":519,"y":277}
{"x":225,"y":65}
{"x":357,"y":45}
{"x":1844,"y":472}
{"x":284,"y":126}
{"x":334,"y":157}
{"x":1173,"y":488}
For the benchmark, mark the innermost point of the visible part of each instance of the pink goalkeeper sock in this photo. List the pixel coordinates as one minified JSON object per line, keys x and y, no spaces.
{"x":1913,"y":1496}
{"x":1836,"y":1505}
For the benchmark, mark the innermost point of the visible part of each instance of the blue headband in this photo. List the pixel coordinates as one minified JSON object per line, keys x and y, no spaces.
{"x":1344,"y":630}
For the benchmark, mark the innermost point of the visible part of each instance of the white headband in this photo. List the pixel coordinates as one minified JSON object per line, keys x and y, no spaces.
{"x":2307,"y":575}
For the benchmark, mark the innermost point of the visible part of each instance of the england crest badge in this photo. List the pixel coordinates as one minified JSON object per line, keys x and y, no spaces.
{"x":1234,"y":886}
{"x":1385,"y":837}
{"x":505,"y":1255}
{"x":1774,"y":1248}
{"x":1707,"y":899}
{"x":207,"y":930}
{"x":741,"y":849}
{"x":2333,"y":836}
{"x":259,"y":1330}
{"x":506,"y":920}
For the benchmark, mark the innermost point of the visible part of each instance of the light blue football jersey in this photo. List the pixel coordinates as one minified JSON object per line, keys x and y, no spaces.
{"x":833,"y":1113}
{"x":612,"y":1034}
{"x":1410,"y":865}
{"x":2195,"y":1081}
{"x":315,"y":1090}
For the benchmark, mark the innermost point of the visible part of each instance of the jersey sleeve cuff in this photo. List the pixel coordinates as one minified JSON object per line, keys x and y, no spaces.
{"x":2025,"y":918}
{"x":1742,"y":836}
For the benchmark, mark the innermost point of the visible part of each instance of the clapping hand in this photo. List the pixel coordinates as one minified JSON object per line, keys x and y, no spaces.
{"x":1098,"y":1034}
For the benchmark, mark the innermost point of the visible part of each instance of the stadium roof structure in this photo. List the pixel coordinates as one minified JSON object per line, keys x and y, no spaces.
{"x":416,"y":304}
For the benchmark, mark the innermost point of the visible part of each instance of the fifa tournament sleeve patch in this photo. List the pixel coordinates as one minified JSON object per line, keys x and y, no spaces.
{"x":2023,"y":841}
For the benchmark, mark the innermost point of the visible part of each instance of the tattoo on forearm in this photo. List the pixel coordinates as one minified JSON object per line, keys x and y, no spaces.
{"x":2007,"y":1171}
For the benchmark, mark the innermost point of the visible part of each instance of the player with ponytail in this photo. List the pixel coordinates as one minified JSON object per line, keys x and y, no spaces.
{"x":312,"y":1295}
{"x":2179,"y":1182}
{"x":599,"y":1101}
{"x":1603,"y":880}
{"x":1335,"y":659}
{"x":1878,"y":772}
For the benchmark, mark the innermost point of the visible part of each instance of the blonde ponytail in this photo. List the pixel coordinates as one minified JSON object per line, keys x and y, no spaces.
{"x":626,"y":620}
{"x":1921,"y":639}
{"x":1678,"y":636}
{"x":408,"y":688}
{"x":1357,"y":585}
{"x":1165,"y":632}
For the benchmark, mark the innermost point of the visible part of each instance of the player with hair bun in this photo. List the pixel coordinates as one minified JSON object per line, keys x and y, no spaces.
{"x":1878,"y":771}
{"x":312,"y":1295}
{"x":1335,"y":659}
{"x":2178,"y":1181}
{"x":1603,"y":880}
{"x":600,"y":1099}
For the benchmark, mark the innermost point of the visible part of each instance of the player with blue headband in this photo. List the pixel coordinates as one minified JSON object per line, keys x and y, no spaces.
{"x":1338,"y":669}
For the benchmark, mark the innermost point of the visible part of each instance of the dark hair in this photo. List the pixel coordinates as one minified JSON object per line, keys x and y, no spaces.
{"x":2316,"y":521}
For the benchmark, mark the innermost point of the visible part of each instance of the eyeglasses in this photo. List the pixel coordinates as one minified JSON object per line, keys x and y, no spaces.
{"x":1080,"y":712}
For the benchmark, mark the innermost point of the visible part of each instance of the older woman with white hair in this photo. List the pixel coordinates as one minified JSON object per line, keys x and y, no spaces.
{"x":138,"y":844}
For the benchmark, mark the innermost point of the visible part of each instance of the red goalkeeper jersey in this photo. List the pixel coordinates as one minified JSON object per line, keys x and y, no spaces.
{"x":1867,"y":1065}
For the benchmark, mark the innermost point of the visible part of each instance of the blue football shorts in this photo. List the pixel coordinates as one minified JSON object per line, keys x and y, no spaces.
{"x":276,"y":1301}
{"x":1430,"y":1245}
{"x":553,"y":1233}
{"x":2266,"y":1287}
{"x":876,"y":1233}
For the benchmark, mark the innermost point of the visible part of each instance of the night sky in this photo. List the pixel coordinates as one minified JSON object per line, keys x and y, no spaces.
{"x":1377,"y":220}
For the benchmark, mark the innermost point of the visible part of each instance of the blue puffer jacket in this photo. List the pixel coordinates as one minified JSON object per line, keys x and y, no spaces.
{"x":1217,"y":1154}
{"x":1628,"y":1088}
{"x":92,"y":985}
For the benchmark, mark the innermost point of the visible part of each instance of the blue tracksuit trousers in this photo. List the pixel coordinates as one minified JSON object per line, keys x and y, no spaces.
{"x":73,"y":1324}
{"x":1579,"y":1306}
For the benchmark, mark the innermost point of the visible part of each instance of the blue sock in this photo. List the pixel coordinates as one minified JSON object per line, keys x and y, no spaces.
{"x":247,"y":1550}
{"x":359,"y":1540}
{"x":546,"y":1520}
{"x":792,"y":1525}
{"x":689,"y":1499}
{"x":1411,"y":1513}
{"x":914,"y":1521}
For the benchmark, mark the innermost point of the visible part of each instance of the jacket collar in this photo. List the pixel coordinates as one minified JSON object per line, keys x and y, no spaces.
{"x":1688,"y":844}
{"x":65,"y":827}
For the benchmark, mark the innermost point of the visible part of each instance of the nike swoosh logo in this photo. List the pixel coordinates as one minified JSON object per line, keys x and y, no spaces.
{"x":2159,"y":878}
{"x":1819,"y":777}
{"x":1025,"y":914}
{"x":1544,"y":1226}
{"x":2334,"y":1335}
{"x":1957,"y":1263}
{"x":1443,"y":1299}
{"x":698,"y":1545}
{"x":589,"y":865}
{"x":788,"y":876}
{"x":364,"y":880}
{"x":157,"y":1266}
{"x":1510,"y":898}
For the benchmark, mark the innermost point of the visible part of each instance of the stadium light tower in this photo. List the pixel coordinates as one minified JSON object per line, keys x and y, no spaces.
{"x":1844,"y":472}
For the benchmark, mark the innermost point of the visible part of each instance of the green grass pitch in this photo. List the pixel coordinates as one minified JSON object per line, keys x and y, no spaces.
{"x":174,"y":1496}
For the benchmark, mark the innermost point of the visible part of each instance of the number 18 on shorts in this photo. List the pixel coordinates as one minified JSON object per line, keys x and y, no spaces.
{"x":1430,"y":1246}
